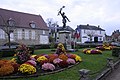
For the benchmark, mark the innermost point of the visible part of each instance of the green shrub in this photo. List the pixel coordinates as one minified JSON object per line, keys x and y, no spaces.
{"x":42,"y":46}
{"x":31,"y":49}
{"x":52,"y":45}
{"x":116,"y":52}
{"x":86,"y":45}
{"x":7,"y":52}
{"x":0,"y":53}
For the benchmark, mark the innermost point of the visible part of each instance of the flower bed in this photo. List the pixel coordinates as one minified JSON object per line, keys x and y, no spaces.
{"x":92,"y":51}
{"x":105,"y":46}
{"x":32,"y":65}
{"x":34,"y":68}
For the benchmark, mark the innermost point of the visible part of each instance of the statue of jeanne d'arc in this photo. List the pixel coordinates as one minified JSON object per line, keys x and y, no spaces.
{"x":64,"y":17}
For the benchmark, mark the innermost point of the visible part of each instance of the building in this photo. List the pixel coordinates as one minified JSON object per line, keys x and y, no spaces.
{"x":108,"y":38}
{"x":116,"y":36}
{"x":27,"y":28}
{"x":90,"y":33}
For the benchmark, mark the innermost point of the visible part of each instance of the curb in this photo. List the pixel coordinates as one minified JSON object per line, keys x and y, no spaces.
{"x":107,"y":71}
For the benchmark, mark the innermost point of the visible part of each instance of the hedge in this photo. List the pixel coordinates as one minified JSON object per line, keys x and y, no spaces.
{"x":42,"y":46}
{"x":116,"y":52}
{"x":78,"y":46}
{"x":7,"y":52}
{"x":31,"y":49}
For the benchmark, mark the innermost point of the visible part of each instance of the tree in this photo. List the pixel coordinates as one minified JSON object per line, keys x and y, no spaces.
{"x":90,"y":34}
{"x":49,"y":22}
{"x":8,"y":27}
{"x":53,"y":29}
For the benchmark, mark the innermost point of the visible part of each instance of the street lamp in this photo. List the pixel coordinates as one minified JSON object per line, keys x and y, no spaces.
{"x":8,"y":27}
{"x":11,"y":22}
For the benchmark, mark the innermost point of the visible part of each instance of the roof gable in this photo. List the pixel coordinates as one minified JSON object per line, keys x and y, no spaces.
{"x":67,"y":28}
{"x":22,"y":19}
{"x":90,"y":27}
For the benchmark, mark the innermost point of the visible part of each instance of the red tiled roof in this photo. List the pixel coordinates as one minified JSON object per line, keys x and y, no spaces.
{"x":22,"y":19}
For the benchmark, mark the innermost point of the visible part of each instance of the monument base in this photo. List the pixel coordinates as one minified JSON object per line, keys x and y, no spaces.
{"x":65,"y":38}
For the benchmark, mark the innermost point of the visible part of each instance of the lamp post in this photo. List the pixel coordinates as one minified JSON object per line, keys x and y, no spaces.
{"x":8,"y":27}
{"x":10,"y":23}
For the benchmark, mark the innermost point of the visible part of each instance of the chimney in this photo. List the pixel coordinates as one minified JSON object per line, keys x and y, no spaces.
{"x":98,"y":26}
{"x":87,"y":24}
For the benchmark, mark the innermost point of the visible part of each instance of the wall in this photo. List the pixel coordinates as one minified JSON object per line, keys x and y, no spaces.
{"x":28,"y":41}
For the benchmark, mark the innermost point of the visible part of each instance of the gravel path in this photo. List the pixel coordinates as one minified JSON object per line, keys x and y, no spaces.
{"x":115,"y":75}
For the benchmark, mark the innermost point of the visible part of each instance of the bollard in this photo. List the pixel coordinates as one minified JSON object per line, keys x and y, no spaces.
{"x":84,"y":74}
{"x":110,"y":63}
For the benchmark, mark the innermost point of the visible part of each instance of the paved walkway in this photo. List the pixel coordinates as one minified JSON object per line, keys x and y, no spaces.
{"x":115,"y":75}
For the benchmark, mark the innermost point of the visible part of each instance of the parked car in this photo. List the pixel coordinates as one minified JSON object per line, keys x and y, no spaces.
{"x":118,"y":44}
{"x":114,"y":43}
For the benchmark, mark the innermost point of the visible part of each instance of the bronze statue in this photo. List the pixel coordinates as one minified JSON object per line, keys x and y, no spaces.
{"x":64,"y":20}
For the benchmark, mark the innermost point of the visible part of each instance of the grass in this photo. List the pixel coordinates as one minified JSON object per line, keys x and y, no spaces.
{"x":95,"y":63}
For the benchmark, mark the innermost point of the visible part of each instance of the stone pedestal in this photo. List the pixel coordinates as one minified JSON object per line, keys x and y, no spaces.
{"x":65,"y":38}
{"x":110,"y":63}
{"x":84,"y":74}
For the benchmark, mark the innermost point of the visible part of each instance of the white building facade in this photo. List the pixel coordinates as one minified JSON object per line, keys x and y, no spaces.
{"x":90,"y":33}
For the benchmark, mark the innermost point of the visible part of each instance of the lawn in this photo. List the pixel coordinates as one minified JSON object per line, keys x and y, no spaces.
{"x":95,"y":63}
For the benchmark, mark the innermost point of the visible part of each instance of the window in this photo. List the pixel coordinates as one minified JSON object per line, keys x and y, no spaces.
{"x":12,"y":36}
{"x":2,"y":34}
{"x":33,"y":35}
{"x":11,"y":22}
{"x":19,"y":34}
{"x":32,"y":24}
{"x":84,"y":30}
{"x":43,"y":31}
{"x":100,"y":39}
{"x":26,"y":34}
{"x":100,"y":32}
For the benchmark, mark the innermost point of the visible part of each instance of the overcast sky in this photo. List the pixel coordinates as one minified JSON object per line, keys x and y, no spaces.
{"x":105,"y":13}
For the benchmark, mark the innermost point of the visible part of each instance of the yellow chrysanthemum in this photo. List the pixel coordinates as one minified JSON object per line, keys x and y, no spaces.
{"x":14,"y":54}
{"x":99,"y":51}
{"x":78,"y":58}
{"x":26,"y":68}
{"x":13,"y":59}
{"x":107,"y":48}
{"x":33,"y":56}
{"x":41,"y":58}
{"x":61,"y":46}
{"x":88,"y":51}
{"x":84,"y":50}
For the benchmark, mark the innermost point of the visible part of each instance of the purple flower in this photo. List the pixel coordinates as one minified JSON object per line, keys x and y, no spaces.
{"x":48,"y":66}
{"x":55,"y":55}
{"x":32,"y":58}
{"x":68,"y":55}
{"x":57,"y":60}
{"x":70,"y":61}
{"x":32,"y":62}
{"x":95,"y":52}
{"x":46,"y":55}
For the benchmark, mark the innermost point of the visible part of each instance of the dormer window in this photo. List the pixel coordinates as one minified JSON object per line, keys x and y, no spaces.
{"x":32,"y":24}
{"x":11,"y":22}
